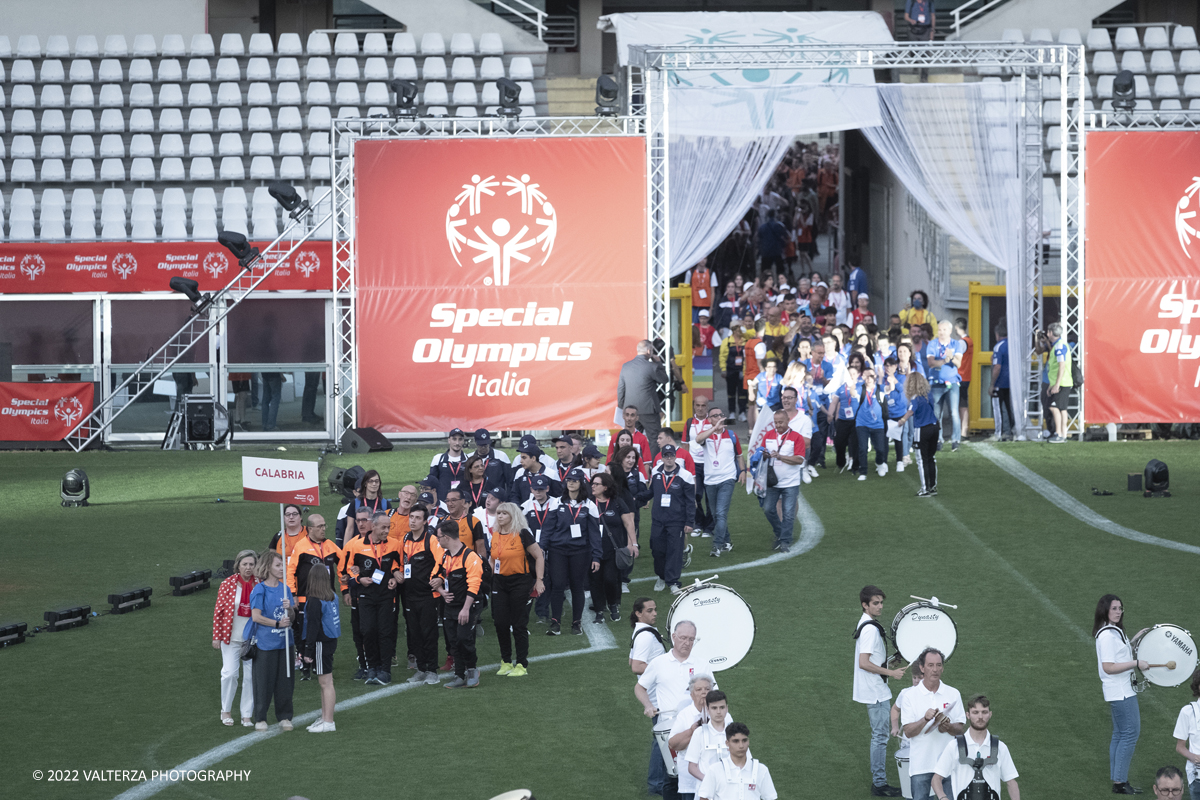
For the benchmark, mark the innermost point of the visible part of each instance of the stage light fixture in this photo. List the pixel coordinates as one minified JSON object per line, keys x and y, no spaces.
{"x":192,"y":582}
{"x":190,"y":289}
{"x":1158,"y":479}
{"x":343,"y":481}
{"x":63,"y":618}
{"x":510,"y":97}
{"x":287,"y":196}
{"x":607,"y":93}
{"x":75,"y":489}
{"x":1123,"y":91}
{"x":406,"y":97}
{"x":132,"y":600}
{"x":237,"y":244}
{"x":12,"y":633}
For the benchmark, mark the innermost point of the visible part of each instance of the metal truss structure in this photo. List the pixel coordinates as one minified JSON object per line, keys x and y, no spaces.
{"x":212,"y":310}
{"x":345,"y":133}
{"x":648,"y":89}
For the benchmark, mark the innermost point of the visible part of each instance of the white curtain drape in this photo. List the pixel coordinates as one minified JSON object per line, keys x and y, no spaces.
{"x":955,"y":149}
{"x":714,"y":180}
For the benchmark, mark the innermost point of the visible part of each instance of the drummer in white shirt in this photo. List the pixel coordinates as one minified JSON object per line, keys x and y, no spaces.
{"x":644,"y":647}
{"x":1115,"y":663}
{"x":738,"y":776}
{"x":707,"y":745}
{"x":931,"y":714}
{"x":1187,"y":736}
{"x":955,"y":767}
{"x":902,"y":751}
{"x":663,"y":687}
{"x":690,"y":717}
{"x":870,"y":684}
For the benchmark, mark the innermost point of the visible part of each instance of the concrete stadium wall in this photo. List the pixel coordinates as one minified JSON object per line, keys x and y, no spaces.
{"x":72,"y":18}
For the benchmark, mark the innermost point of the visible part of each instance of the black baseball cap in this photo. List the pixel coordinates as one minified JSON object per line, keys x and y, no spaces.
{"x":591,"y":451}
{"x":577,"y":475}
{"x":426,"y":498}
{"x":530,"y":449}
{"x":482,"y":437}
{"x":456,"y":432}
{"x":526,"y":440}
{"x":566,"y":438}
{"x":667,"y":450}
{"x":539,"y":481}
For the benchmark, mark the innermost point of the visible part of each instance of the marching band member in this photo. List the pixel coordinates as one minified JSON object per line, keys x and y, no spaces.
{"x":1116,"y":663}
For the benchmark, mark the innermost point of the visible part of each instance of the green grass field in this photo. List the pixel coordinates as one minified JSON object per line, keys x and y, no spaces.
{"x":140,"y":691}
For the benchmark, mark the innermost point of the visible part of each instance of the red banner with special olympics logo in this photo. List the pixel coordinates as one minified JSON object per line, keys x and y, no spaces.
{"x":37,"y":268}
{"x":1142,"y":288}
{"x":42,"y":412}
{"x":500,"y":282}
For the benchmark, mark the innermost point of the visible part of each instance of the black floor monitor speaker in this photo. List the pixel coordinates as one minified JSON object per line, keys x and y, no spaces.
{"x":364,"y":440}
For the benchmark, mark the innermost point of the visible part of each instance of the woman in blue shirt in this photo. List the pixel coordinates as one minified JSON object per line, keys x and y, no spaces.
{"x":920,"y":410}
{"x":869,"y":427}
{"x":843,"y":408}
{"x":897,"y":404}
{"x":272,"y":609}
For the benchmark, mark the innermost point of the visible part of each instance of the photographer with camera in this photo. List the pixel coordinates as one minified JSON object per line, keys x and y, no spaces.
{"x":638,"y":385}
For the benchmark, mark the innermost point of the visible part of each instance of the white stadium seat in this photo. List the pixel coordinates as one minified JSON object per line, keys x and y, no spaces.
{"x":490,"y":95}
{"x":1155,"y":38}
{"x":112,"y":145}
{"x":435,"y":94}
{"x":434,"y":69}
{"x":22,"y":96}
{"x":262,"y":168}
{"x":231,"y":145}
{"x":291,"y":144}
{"x":260,"y":44}
{"x":204,"y":230}
{"x":287,"y":69}
{"x":86,"y":46}
{"x":319,"y":118}
{"x":1054,"y":137}
{"x":199,"y":94}
{"x":141,"y":146}
{"x":289,"y":119}
{"x":23,"y":121}
{"x":317,"y":94}
{"x":229,"y":94}
{"x":259,"y":119}
{"x":491,"y":68}
{"x":1069,"y":36}
{"x":83,"y":146}
{"x":170,"y":71}
{"x":259,"y":94}
{"x":527,"y":95}
{"x":520,"y":68}
{"x":320,"y":171}
{"x":377,"y":93}
{"x":111,"y":95}
{"x":405,"y":69}
{"x":144,"y":45}
{"x":1183,"y":37}
{"x":1191,"y":86}
{"x":375,"y":69}
{"x":140,"y":95}
{"x":462,"y":44}
{"x":318,"y":44}
{"x":375,"y":44}
{"x":1041,"y":36}
{"x":1012,"y":35}
{"x":201,"y":169}
{"x":345,"y":44}
{"x":1166,"y":86}
{"x":288,"y":94}
{"x":1098,"y":39}
{"x":204,"y":196}
{"x":1189,"y":61}
{"x":403,"y":44}
{"x":140,"y":70}
{"x":347,"y":69}
{"x":432,"y":44}
{"x":51,"y":71}
{"x":316,"y":69}
{"x":22,"y":147}
{"x":464,"y":95}
{"x":228,"y":70}
{"x":82,"y":121}
{"x":200,"y":144}
{"x":232,"y":45}
{"x":200,"y":119}
{"x":53,"y":121}
{"x":232,"y":169}
{"x":112,"y":169}
{"x":318,"y":143}
{"x":199,"y":70}
{"x":1162,"y":62}
{"x":20,"y":231}
{"x":112,"y":121}
{"x":1051,"y":88}
{"x":29,"y":47}
{"x":347,"y":94}
{"x":463,"y":69}
{"x":291,"y":168}
{"x":115,"y":46}
{"x":230,"y":119}
{"x":1141,"y":86}
{"x":52,"y":96}
{"x":53,"y":170}
{"x":22,"y":71}
{"x":110,"y":71}
{"x":258,"y":69}
{"x":81,"y":71}
{"x":262,"y":144}
{"x":52,"y":147}
{"x":170,"y":119}
{"x":1127,"y":39}
{"x":171,"y":169}
{"x":170,"y":145}
{"x":1134,"y":61}
{"x":174,"y":229}
{"x":172,"y":45}
{"x":490,"y":44}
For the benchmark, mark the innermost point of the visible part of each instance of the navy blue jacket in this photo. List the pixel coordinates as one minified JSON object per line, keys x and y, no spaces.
{"x":587,"y":517}
{"x":681,"y":486}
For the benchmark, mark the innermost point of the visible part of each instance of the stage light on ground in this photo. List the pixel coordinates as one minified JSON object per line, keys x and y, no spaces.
{"x":75,"y":489}
{"x":510,"y":98}
{"x":607,"y":93}
{"x":12,"y":633}
{"x":1123,"y":91}
{"x":63,"y":618}
{"x":343,"y":481}
{"x":132,"y":600}
{"x":192,"y":582}
{"x":406,"y":97}
{"x":237,"y":244}
{"x":1158,"y":479}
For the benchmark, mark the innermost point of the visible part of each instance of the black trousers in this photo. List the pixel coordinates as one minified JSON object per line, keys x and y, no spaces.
{"x":736,"y":392}
{"x":569,"y":567}
{"x":816,"y":450}
{"x":511,"y":605}
{"x":378,"y":621}
{"x":422,"y":619}
{"x":704,"y":517}
{"x":272,"y":682}
{"x":356,"y":631}
{"x":843,"y":432}
{"x":878,"y":438}
{"x":462,"y":638}
{"x":666,"y":546}
{"x":927,"y":442}
{"x":402,"y":606}
{"x":606,"y":585}
{"x":1004,"y":396}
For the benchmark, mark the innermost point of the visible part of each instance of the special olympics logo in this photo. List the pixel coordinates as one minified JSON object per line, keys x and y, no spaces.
{"x":68,"y":409}
{"x":124,"y":264}
{"x":215,"y":263}
{"x":308,"y":262}
{"x":489,"y":233}
{"x":33,"y":265}
{"x":1183,"y":213}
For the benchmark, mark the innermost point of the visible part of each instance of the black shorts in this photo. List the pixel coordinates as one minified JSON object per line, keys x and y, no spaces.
{"x":1061,"y":399}
{"x":962,"y":394}
{"x":322,"y":663}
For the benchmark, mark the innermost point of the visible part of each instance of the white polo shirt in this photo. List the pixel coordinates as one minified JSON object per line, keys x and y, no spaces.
{"x":725,"y":781}
{"x":705,"y":750}
{"x":646,"y":646}
{"x":720,"y":457}
{"x":666,"y":681}
{"x":1187,"y":728}
{"x":1113,"y":647}
{"x":870,"y":688}
{"x":926,"y":748}
{"x":960,"y":775}
{"x":789,"y":444}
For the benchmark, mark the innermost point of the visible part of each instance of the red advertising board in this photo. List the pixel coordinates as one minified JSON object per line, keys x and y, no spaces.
{"x":37,"y":268}
{"x":1142,"y":287}
{"x":42,"y":412}
{"x":499,"y":281}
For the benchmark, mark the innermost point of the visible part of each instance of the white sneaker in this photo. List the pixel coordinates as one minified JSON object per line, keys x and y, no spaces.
{"x":881,"y":470}
{"x":804,"y":476}
{"x":322,"y":727}
{"x":315,"y":724}
{"x":659,"y":585}
{"x":908,"y":459}
{"x":900,"y":466}
{"x":812,"y":471}
{"x":676,"y":588}
{"x":742,"y":416}
{"x":696,"y":532}
{"x":624,"y":588}
{"x":862,"y":477}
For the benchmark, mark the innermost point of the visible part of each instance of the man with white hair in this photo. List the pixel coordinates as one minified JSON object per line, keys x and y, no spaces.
{"x":663,"y":687}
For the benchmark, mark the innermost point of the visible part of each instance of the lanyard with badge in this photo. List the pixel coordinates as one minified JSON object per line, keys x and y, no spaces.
{"x":665,"y":500}
{"x":455,"y":467}
{"x":576,"y":528}
{"x":476,"y":495}
{"x":541,"y":520}
{"x":378,"y":575}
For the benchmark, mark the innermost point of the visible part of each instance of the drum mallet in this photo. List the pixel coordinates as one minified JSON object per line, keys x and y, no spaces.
{"x":1168,"y":665}
{"x":933,"y":601}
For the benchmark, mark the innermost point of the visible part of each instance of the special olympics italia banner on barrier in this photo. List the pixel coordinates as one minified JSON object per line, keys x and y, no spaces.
{"x":42,"y":412}
{"x":500,"y":282}
{"x":53,"y":267}
{"x":1142,"y":286}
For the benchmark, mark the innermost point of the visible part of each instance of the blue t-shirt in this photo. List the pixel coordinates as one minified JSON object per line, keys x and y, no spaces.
{"x":771,"y":238}
{"x":870,"y":412}
{"x":923,"y":412}
{"x":768,"y":390}
{"x":947,"y":373}
{"x":917,"y":9}
{"x":896,"y":401}
{"x":848,"y":400}
{"x":269,"y":601}
{"x":857,"y":282}
{"x":1000,"y":359}
{"x":821,"y":373}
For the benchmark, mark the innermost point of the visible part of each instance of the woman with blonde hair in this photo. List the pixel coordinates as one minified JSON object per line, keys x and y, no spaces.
{"x":518,"y":568}
{"x":920,"y":410}
{"x":230,"y":619}
{"x":272,"y":607}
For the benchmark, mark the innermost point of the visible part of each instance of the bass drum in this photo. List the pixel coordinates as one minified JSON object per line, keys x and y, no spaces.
{"x":921,"y":625}
{"x":1162,"y":644}
{"x":724,"y":624}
